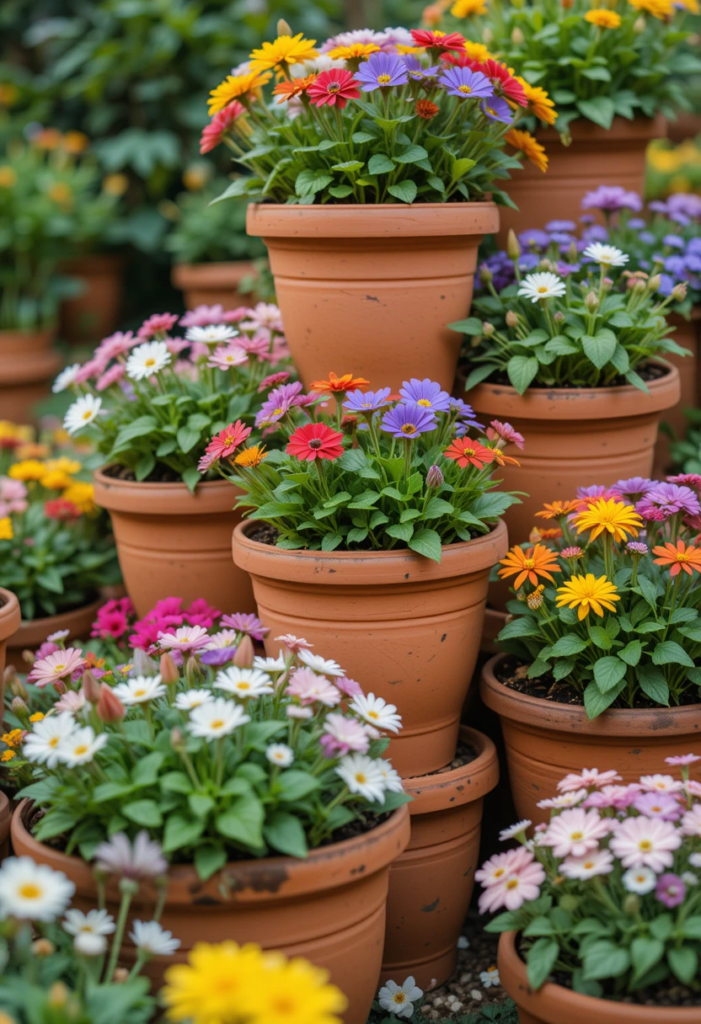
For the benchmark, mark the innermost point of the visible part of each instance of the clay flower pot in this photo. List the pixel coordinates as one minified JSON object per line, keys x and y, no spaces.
{"x":369,"y":289}
{"x":574,"y":438}
{"x":614,"y":156}
{"x":430,"y":885}
{"x":5,"y":819}
{"x":31,"y":633}
{"x":329,"y":907}
{"x":27,"y":367}
{"x":172,"y":543}
{"x":10,"y":619}
{"x":94,"y":313}
{"x":555,"y":1004}
{"x":406,"y":628}
{"x":494,"y":622}
{"x":687,"y":333}
{"x":545,"y":740}
{"x":207,"y":284}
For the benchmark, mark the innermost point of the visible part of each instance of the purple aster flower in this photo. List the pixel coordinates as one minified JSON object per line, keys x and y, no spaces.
{"x":684,"y":202}
{"x":562,"y":238}
{"x":534,"y":239}
{"x":278,"y":403}
{"x":587,"y":218}
{"x":681,"y":219}
{"x":561,"y":225}
{"x":674,"y":241}
{"x":218,"y":657}
{"x":497,"y":109}
{"x":246,"y":623}
{"x":635,"y":487}
{"x":382,"y":71}
{"x":467,"y":84}
{"x":647,"y":237}
{"x":670,"y":890}
{"x":408,"y":420}
{"x":593,"y":491}
{"x":427,"y":394}
{"x":528,"y":261}
{"x":637,"y":547}
{"x":595,"y":233}
{"x":416,"y":70}
{"x":637,"y":223}
{"x":670,"y":499}
{"x":658,"y":206}
{"x":658,"y":805}
{"x":565,"y":269}
{"x":366,"y":401}
{"x":612,"y":198}
{"x":694,"y":246}
{"x":667,"y":283}
{"x":465,"y":413}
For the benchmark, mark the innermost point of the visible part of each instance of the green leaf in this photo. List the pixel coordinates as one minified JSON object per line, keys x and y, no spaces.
{"x":428,"y":543}
{"x":404,"y":190}
{"x":648,"y":590}
{"x":653,"y":683}
{"x":670,"y":653}
{"x":460,"y":167}
{"x":181,"y":831}
{"x":437,"y":507}
{"x":55,"y":822}
{"x":683,"y":962}
{"x":401,"y":531}
{"x":568,"y":645}
{"x":471,"y":326}
{"x":601,"y":638}
{"x":411,"y":155}
{"x":603,"y":959}
{"x":600,"y":110}
{"x":596,"y":702}
{"x":524,"y":625}
{"x":200,"y":804}
{"x":379,"y":163}
{"x":692,"y":927}
{"x":631,"y":653}
{"x":243,"y":822}
{"x":187,"y":439}
{"x":608,"y":672}
{"x":644,"y":954}
{"x":521,"y":370}
{"x":143,"y":812}
{"x":111,"y":791}
{"x":208,"y":860}
{"x":341,"y":191}
{"x":284,"y":833}
{"x":349,"y":165}
{"x":146,"y":770}
{"x":294,"y":784}
{"x":600,"y":347}
{"x":540,"y":960}
{"x":309,"y":182}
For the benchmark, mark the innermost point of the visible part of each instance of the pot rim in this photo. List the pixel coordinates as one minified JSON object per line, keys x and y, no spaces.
{"x":574,"y":404}
{"x":51,"y":623}
{"x":163,"y":499}
{"x":252,"y":881}
{"x":372,"y":220}
{"x":622,"y":130}
{"x":554,"y":1003}
{"x":470,"y":782}
{"x":10,"y":614}
{"x":550,"y":716}
{"x":342,"y":568}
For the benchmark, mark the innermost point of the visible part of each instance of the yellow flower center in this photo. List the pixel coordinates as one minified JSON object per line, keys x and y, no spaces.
{"x":150,"y":362}
{"x":464,"y":88}
{"x":139,"y":693}
{"x":362,"y":779}
{"x":333,"y":87}
{"x":82,"y":749}
{"x":53,"y":742}
{"x":244,"y":685}
{"x":542,"y":290}
{"x":645,"y":846}
{"x":399,"y":998}
{"x":424,"y":401}
{"x":512,"y":883}
{"x":384,"y":79}
{"x":278,"y":412}
{"x":576,"y":836}
{"x":87,"y":414}
{"x":588,"y":864}
{"x":29,"y":891}
{"x":217,"y":723}
{"x":528,"y":563}
{"x":499,"y":872}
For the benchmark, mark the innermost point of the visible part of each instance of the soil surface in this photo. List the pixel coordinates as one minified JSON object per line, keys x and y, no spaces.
{"x":263,"y":533}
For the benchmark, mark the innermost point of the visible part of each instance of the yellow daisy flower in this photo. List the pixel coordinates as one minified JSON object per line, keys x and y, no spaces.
{"x":56,"y":480}
{"x":64,"y":464}
{"x":7,"y":755}
{"x":464,"y":8}
{"x":355,"y":50}
{"x":38,"y":716}
{"x":301,"y":989}
{"x":610,"y":515}
{"x":234,"y":87}
{"x":659,"y":9}
{"x":12,"y":738}
{"x":284,"y":51}
{"x":6,"y":532}
{"x":539,"y":102}
{"x":82,"y":495}
{"x":586,"y":593}
{"x":603,"y":18}
{"x":252,"y":456}
{"x":477,"y":51}
{"x":531,"y":149}
{"x":29,"y":469}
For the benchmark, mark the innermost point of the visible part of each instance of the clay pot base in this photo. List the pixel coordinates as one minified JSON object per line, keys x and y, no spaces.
{"x":27,"y":366}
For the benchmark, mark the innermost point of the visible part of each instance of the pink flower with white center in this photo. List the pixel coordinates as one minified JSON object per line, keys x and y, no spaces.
{"x":185,"y":638}
{"x":588,"y":777}
{"x":343,"y":735}
{"x":504,"y":432}
{"x":56,"y":666}
{"x":520,"y":884}
{"x":658,"y":805}
{"x":258,"y":346}
{"x":110,"y":377}
{"x":660,"y":784}
{"x":226,"y":357}
{"x":264,"y":315}
{"x":596,"y":862}
{"x":159,"y":323}
{"x":618,"y":797}
{"x":575,"y":832}
{"x":203,"y":316}
{"x":499,"y":865}
{"x":70,"y":701}
{"x":294,"y":643}
{"x":349,"y":687}
{"x":691,"y":822}
{"x":117,"y":344}
{"x":682,"y":759}
{"x":564,"y":800}
{"x":692,"y":788}
{"x":645,"y":842}
{"x":310,"y":688}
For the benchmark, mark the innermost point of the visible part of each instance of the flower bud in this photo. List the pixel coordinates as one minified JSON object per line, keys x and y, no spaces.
{"x":19,"y":708}
{"x":43,"y":947}
{"x":486,"y":275}
{"x":434,"y":477}
{"x":58,"y":995}
{"x":90,"y":687}
{"x":245,"y":653}
{"x":639,"y":25}
{"x":487,"y":36}
{"x":607,"y":284}
{"x":488,"y":329}
{"x":517,"y":37}
{"x":143,"y":665}
{"x":679,"y":291}
{"x":592,"y":302}
{"x":177,"y":740}
{"x":640,"y":287}
{"x":283,"y":29}
{"x":569,"y":902}
{"x":120,"y":975}
{"x":511,"y":319}
{"x":60,"y":687}
{"x":572,"y":252}
{"x":654,"y":283}
{"x":28,"y":657}
{"x":513,"y":249}
{"x":558,"y":316}
{"x":109,"y":707}
{"x":169,"y":670}
{"x":631,"y":904}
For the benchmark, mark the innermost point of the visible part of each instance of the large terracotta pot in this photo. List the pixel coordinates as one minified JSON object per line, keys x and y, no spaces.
{"x":31,"y":633}
{"x":172,"y":543}
{"x":687,"y":333}
{"x":5,"y":819}
{"x":574,"y":438}
{"x":555,"y":1004}
{"x":10,"y":619}
{"x":406,"y":628}
{"x":27,"y":367}
{"x":494,"y":622}
{"x":545,"y":740}
{"x":94,"y":313}
{"x":329,"y":908}
{"x":430,"y":885}
{"x":614,"y":156}
{"x":207,"y":284}
{"x":369,"y":289}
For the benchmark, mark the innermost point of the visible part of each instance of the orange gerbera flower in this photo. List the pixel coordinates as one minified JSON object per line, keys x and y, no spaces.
{"x":683,"y":556}
{"x":551,"y":533}
{"x":531,"y":149}
{"x":293,"y":87}
{"x":558,"y":509}
{"x":345,"y":383}
{"x":464,"y":452}
{"x":529,"y":564}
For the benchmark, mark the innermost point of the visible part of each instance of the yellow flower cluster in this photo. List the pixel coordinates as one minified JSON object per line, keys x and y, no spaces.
{"x":57,"y":475}
{"x":6,"y":532}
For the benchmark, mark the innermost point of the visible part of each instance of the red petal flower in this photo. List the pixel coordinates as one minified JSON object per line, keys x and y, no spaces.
{"x":504,"y":83}
{"x":315,"y":441}
{"x":438,"y":40}
{"x":224,"y":444}
{"x":213,"y":133}
{"x":464,"y":451}
{"x":336,"y":86}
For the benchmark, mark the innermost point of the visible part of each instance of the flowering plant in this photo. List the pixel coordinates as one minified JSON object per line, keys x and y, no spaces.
{"x":217,"y":752}
{"x":395,"y":471}
{"x":372,"y":117}
{"x":51,"y":205}
{"x":673,"y":168}
{"x":149,"y":399}
{"x":56,"y":548}
{"x":614,"y":617}
{"x":203,"y":233}
{"x":627,"y":58}
{"x":607,"y":893}
{"x":584,"y":323}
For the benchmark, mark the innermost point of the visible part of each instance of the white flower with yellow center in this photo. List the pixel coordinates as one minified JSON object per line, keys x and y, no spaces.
{"x":89,"y":944}
{"x":280,"y":754}
{"x":153,"y":940}
{"x":33,"y":892}
{"x":147,"y":359}
{"x":139,"y":690}
{"x":606,"y":255}
{"x":244,"y":682}
{"x":363,"y":776}
{"x":42,"y":744}
{"x":391,"y":777}
{"x":324,"y":666}
{"x":81,"y":746}
{"x":212,"y":335}
{"x":376,"y":711}
{"x":542,"y":286}
{"x":95,"y":922}
{"x":399,"y":999}
{"x":83,"y":411}
{"x":192,"y":699}
{"x":217,"y":718}
{"x":65,"y":378}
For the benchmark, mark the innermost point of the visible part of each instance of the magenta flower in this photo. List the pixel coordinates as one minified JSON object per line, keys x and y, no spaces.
{"x":408,"y":420}
{"x":56,"y":666}
{"x":382,"y":71}
{"x":272,"y":380}
{"x":670,"y":890}
{"x":117,"y":344}
{"x":349,"y":687}
{"x":637,"y":547}
{"x":111,"y":622}
{"x":467,"y":84}
{"x":201,"y":613}
{"x":669,"y":499}
{"x":634,"y":488}
{"x":110,"y":377}
{"x":278,"y":403}
{"x":159,"y":323}
{"x":246,"y":622}
{"x":687,"y":480}
{"x":574,"y":551}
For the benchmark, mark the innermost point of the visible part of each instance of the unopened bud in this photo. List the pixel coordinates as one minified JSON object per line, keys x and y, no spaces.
{"x":511,"y":318}
{"x":607,"y":284}
{"x":546,"y":264}
{"x":631,"y":904}
{"x":513,"y":249}
{"x":592,"y":302}
{"x":245,"y":653}
{"x":572,"y":252}
{"x":639,"y":25}
{"x":19,"y":708}
{"x":487,"y":36}
{"x":679,"y":291}
{"x":283,"y":29}
{"x":60,"y":687}
{"x":558,"y":316}
{"x":121,"y":974}
{"x":569,"y":902}
{"x":488,"y":329}
{"x":169,"y":670}
{"x":109,"y":707}
{"x":434,"y":477}
{"x":177,"y":740}
{"x":28,"y":657}
{"x":143,"y":665}
{"x":58,"y":995}
{"x":90,"y":687}
{"x":43,"y":947}
{"x":486,"y":275}
{"x":517,"y":37}
{"x":654,"y":282}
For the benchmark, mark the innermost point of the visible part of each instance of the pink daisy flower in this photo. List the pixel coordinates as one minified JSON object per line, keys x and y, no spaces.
{"x":575,"y":832}
{"x":691,"y":822}
{"x":660,"y":784}
{"x":294,"y":643}
{"x":117,"y":344}
{"x":596,"y":862}
{"x":343,"y":735}
{"x":504,"y":432}
{"x":310,"y":688}
{"x":349,"y":687}
{"x":226,"y":357}
{"x":246,"y":622}
{"x":158,"y":323}
{"x":682,"y":759}
{"x":185,"y":638}
{"x":110,"y":377}
{"x":273,"y":380}
{"x":56,"y":666}
{"x":520,"y":884}
{"x":618,"y":797}
{"x":70,"y":701}
{"x":658,"y":805}
{"x":203,"y":316}
{"x":645,"y":842}
{"x":587,"y":778}
{"x":569,"y":799}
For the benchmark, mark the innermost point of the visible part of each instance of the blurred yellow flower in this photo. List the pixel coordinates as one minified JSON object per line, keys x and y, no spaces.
{"x":29,"y":469}
{"x":477,"y":51}
{"x":660,"y":9}
{"x":603,"y":18}
{"x":196,"y":177}
{"x":60,"y":192}
{"x":283,"y":52}
{"x":81,"y":495}
{"x":539,"y":103}
{"x":56,"y":480}
{"x":75,"y":142}
{"x":7,"y":755}
{"x":234,"y":87}
{"x":12,"y":738}
{"x":38,"y":716}
{"x":115,"y":184}
{"x":8,"y":177}
{"x":252,"y":456}
{"x":64,"y":464}
{"x":6,"y":528}
{"x":354,"y":50}
{"x":9,"y":94}
{"x":464,"y":8}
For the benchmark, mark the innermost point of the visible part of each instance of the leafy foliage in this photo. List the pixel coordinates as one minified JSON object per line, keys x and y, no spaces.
{"x":203,"y":233}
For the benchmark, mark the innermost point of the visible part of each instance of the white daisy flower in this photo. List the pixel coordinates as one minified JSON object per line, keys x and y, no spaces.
{"x":33,"y":892}
{"x":147,"y":359}
{"x":514,"y":830}
{"x":362,"y":775}
{"x":217,"y":718}
{"x":65,"y":378}
{"x":564,"y":800}
{"x":606,"y":255}
{"x":90,"y":944}
{"x":640,"y":880}
{"x":391,"y":777}
{"x":280,"y":754}
{"x":542,"y":286}
{"x":295,"y":711}
{"x":192,"y":699}
{"x":377,"y":712}
{"x":83,"y":411}
{"x":81,"y":746}
{"x":271,"y":664}
{"x":490,"y":977}
{"x":42,"y":744}
{"x":223,"y":639}
{"x":244,"y":682}
{"x":150,"y":938}
{"x":324,"y":666}
{"x":95,"y":922}
{"x":60,"y":634}
{"x":399,"y":999}
{"x":211,"y":335}
{"x":139,"y":690}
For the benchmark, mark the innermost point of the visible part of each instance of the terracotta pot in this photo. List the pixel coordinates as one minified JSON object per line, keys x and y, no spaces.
{"x":545,"y":740}
{"x":430,"y":885}
{"x":555,"y":1004}
{"x":172,"y":543}
{"x":206,"y":284}
{"x":574,"y":438}
{"x":27,"y":367}
{"x":686,"y":125}
{"x":94,"y":314}
{"x":5,"y":819}
{"x":32,"y":632}
{"x":329,"y":908}
{"x":370,"y":289}
{"x":407,"y":628}
{"x":614,"y":156}
{"x":687,"y":333}
{"x":10,"y":619}
{"x":494,"y":622}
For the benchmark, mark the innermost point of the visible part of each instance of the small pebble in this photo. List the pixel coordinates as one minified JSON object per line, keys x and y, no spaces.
{"x":463,"y":942}
{"x":476,"y":994}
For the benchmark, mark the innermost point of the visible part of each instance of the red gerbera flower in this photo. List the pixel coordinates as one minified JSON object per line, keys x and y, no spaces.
{"x":59,"y":508}
{"x":224,"y":444}
{"x":315,"y":441}
{"x":438,"y":40}
{"x":461,"y":60}
{"x":503,"y":81}
{"x":464,"y":451}
{"x":334,"y":87}
{"x":214,"y":132}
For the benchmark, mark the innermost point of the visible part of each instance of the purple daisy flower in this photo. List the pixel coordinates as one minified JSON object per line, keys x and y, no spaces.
{"x":647,"y":237}
{"x":467,"y":84}
{"x":528,"y":261}
{"x":637,"y":223}
{"x":658,"y":805}
{"x":594,"y":491}
{"x":612,"y":198}
{"x":534,"y":239}
{"x":416,"y":69}
{"x":565,"y":269}
{"x":245,"y":622}
{"x":366,"y":401}
{"x":674,"y":241}
{"x":561,"y":225}
{"x":684,"y":202}
{"x":408,"y":420}
{"x":497,"y":109}
{"x":220,"y":656}
{"x":381,"y":71}
{"x":426,"y":393}
{"x":635,"y":487}
{"x":466,"y":414}
{"x":278,"y":403}
{"x":562,"y":238}
{"x":670,"y":890}
{"x":670,"y":499}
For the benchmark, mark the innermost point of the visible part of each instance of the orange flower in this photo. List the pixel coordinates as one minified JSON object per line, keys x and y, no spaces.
{"x":536,"y":534}
{"x":678,"y":558}
{"x":529,"y":147}
{"x":294,"y":87}
{"x":558,"y":509}
{"x":345,"y":383}
{"x":530,"y":565}
{"x":504,"y":460}
{"x":464,"y":451}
